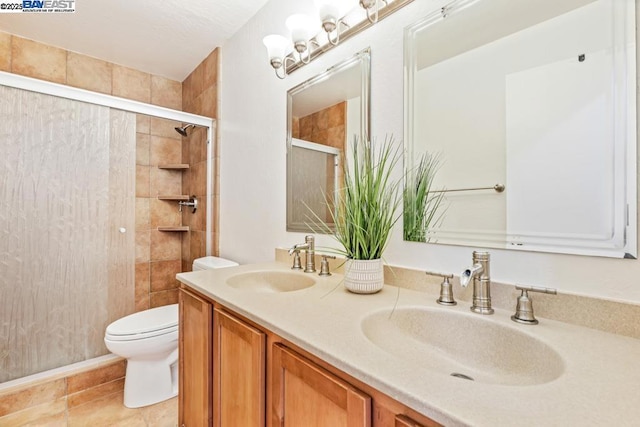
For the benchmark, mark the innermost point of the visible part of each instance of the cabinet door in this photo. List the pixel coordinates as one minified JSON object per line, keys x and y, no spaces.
{"x":239,"y":373}
{"x":304,"y":394}
{"x":195,"y":361}
{"x":404,"y":421}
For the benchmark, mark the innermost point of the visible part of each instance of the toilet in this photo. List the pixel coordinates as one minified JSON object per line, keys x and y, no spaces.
{"x":149,"y":341}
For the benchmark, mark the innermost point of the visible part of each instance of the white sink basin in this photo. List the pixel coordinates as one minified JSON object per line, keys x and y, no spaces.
{"x":463,"y":345}
{"x":271,"y":281}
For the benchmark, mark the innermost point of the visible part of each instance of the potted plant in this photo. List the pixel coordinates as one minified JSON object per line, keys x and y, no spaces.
{"x":366,"y":209}
{"x":421,"y":204}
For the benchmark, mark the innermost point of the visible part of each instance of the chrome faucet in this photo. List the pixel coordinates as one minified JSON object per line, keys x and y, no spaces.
{"x":479,"y":272}
{"x":310,"y":255}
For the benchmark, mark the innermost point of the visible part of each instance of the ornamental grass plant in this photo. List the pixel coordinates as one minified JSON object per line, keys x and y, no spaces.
{"x":367,"y":206}
{"x":421,"y":207}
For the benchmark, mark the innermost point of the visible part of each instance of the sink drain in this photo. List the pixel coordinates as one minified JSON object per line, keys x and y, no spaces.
{"x":463,"y":376}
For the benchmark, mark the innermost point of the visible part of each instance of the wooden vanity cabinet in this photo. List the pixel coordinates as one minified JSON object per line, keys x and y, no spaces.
{"x":233,"y":374}
{"x":239,"y":372}
{"x":304,"y":394}
{"x":195,"y":373}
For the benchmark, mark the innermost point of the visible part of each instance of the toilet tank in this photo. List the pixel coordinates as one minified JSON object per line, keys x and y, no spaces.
{"x":211,"y":262}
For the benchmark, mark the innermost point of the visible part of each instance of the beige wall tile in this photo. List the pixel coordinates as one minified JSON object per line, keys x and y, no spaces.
{"x":143,"y":151}
{"x":165,"y":150}
{"x":194,"y":106}
{"x":158,"y":299}
{"x":198,"y":146}
{"x":198,"y":177}
{"x":131,"y":84}
{"x":197,"y":81}
{"x":187,"y":91}
{"x":142,"y":181}
{"x":166,"y":93}
{"x":198,"y":219}
{"x":33,"y":59}
{"x":86,"y":380}
{"x":5,"y":51}
{"x":165,"y":182}
{"x":306,"y":127}
{"x":163,"y":275}
{"x":88,"y":73}
{"x":143,"y":123}
{"x":165,"y":245}
{"x":143,"y":239}
{"x":142,"y":214}
{"x":94,"y":393}
{"x":210,"y":64}
{"x":197,"y":242}
{"x":210,"y":102}
{"x":164,"y":212}
{"x":142,"y":286}
{"x":164,"y":127}
{"x":31,"y":396}
{"x":186,"y":259}
{"x":336,"y":114}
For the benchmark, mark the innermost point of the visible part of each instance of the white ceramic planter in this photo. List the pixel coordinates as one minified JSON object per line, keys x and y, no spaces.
{"x":364,"y":276}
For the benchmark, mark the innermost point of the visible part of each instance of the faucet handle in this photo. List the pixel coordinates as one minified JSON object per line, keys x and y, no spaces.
{"x":524,"y":304}
{"x":324,"y":265}
{"x":446,"y":290}
{"x":297,"y":265}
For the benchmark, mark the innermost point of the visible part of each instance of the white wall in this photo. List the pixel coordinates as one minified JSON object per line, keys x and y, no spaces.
{"x":252,"y":124}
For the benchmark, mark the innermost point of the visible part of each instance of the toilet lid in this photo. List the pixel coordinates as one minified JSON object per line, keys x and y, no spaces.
{"x":156,"y":321}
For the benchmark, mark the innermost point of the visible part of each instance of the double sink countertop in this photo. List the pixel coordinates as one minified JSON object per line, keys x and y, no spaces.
{"x":402,"y":343}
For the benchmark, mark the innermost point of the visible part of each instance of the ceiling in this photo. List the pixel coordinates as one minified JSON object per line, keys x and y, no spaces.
{"x":167,"y":38}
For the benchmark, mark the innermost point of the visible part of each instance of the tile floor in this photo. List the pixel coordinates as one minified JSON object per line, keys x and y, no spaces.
{"x":108,"y":411}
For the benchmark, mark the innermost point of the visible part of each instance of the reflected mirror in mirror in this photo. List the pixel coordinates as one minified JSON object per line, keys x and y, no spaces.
{"x":324,"y":114}
{"x":537,"y":96}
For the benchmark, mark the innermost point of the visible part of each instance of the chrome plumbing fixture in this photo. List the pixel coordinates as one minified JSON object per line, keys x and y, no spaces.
{"x":446,"y":290}
{"x":524,"y":305}
{"x":479,"y":272}
{"x":192,"y":203}
{"x":324,"y":265}
{"x":309,"y":249}
{"x":183,"y":130}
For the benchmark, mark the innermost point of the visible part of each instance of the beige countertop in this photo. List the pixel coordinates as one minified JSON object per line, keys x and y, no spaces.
{"x":599,"y":384}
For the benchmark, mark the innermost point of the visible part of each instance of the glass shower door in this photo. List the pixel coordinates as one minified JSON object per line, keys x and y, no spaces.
{"x":67,"y":220}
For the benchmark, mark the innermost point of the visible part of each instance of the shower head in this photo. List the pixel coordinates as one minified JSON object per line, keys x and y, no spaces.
{"x":183,"y":130}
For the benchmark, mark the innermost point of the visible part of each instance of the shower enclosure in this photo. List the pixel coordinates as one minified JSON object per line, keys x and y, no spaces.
{"x":67,"y":220}
{"x":67,"y":186}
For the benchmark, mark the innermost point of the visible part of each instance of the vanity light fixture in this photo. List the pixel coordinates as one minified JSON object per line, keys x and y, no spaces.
{"x":302,"y":32}
{"x":277,"y":46}
{"x":372,"y":8}
{"x":334,"y":15}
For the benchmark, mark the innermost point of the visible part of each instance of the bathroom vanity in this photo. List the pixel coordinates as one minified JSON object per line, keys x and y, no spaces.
{"x":263,"y":345}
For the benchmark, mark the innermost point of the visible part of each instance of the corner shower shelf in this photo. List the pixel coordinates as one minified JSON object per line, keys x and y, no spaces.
{"x":174,"y":197}
{"x":174,"y":166}
{"x":174,"y":228}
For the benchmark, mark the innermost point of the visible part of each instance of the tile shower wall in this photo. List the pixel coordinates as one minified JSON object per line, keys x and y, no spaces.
{"x":200,"y":96}
{"x":325,"y":127}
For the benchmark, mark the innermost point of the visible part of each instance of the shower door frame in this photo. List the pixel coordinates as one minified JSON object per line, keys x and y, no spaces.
{"x":82,"y":95}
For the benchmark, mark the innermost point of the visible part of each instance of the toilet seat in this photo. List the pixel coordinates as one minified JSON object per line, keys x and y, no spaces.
{"x":144,"y":324}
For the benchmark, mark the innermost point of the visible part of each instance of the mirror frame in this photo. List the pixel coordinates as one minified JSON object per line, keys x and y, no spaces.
{"x":625,"y":139}
{"x":362,"y":60}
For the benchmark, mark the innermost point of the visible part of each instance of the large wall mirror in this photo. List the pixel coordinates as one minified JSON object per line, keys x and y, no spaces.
{"x":324,"y":115}
{"x":535,"y":97}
